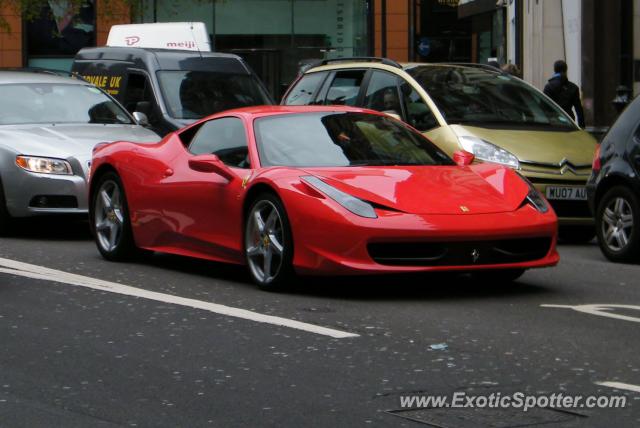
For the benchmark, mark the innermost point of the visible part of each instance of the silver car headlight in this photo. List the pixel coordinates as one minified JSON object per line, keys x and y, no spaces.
{"x":488,"y":152}
{"x":44,"y":165}
{"x":351,"y":203}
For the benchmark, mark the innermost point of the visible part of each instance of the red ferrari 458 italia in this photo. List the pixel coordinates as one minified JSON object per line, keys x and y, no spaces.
{"x":317,"y":190}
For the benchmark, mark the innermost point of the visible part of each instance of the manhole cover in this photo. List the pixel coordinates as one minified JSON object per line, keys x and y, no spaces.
{"x":486,"y":417}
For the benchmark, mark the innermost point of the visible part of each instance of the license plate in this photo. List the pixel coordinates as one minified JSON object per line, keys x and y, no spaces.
{"x":558,"y":193}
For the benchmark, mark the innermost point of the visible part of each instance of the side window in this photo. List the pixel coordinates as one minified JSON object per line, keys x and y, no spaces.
{"x":382,"y":93}
{"x":345,"y":88}
{"x":302,"y":93}
{"x":225,"y":138}
{"x":138,"y":94}
{"x":419,"y":114}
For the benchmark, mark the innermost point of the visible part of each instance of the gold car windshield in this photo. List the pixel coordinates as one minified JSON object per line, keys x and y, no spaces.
{"x":475,"y":96}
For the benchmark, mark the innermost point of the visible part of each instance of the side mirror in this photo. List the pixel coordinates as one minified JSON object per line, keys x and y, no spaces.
{"x":211,"y":164}
{"x":463,"y":158}
{"x":141,"y":118}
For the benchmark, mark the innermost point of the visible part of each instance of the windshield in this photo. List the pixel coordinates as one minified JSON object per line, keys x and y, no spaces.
{"x":196,"y":94}
{"x":58,"y":103}
{"x":466,"y":95}
{"x":334,"y":139}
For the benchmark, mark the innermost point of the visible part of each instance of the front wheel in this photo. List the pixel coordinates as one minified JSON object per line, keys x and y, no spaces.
{"x":110,"y":219}
{"x":268,"y":243}
{"x":618,"y":225}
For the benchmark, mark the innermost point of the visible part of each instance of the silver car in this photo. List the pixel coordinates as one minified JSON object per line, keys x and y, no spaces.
{"x":49,"y":126}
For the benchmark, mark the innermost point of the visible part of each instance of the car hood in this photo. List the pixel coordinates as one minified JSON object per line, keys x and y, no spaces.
{"x":545,"y":147}
{"x":68,"y":141}
{"x":476,"y":189}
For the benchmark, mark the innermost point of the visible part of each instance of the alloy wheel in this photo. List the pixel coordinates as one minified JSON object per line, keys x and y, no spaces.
{"x":617,"y":224}
{"x":108,"y":217}
{"x":264,"y":241}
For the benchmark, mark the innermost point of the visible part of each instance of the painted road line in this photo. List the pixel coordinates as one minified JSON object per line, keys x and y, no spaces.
{"x":602,"y":310}
{"x":13,"y":267}
{"x":620,"y":385}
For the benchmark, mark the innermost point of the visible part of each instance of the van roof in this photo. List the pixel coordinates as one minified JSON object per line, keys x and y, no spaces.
{"x":166,"y":59}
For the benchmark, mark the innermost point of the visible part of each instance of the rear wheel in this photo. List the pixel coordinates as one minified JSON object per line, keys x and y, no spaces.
{"x":618,"y":225}
{"x":110,"y":220}
{"x":577,"y":234}
{"x":268,"y":243}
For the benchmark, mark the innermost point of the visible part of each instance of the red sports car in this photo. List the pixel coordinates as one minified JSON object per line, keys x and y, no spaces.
{"x":316,"y":190}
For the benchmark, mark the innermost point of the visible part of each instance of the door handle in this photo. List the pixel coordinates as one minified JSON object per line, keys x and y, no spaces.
{"x":168,"y":173}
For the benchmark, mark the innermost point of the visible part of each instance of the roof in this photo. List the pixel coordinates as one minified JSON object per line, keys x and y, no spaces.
{"x":270,"y":110}
{"x":166,"y":59}
{"x":405,"y":66}
{"x":13,"y":77}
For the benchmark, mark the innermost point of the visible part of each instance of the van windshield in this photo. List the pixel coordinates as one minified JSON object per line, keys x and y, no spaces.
{"x":473,"y":96}
{"x":196,"y":94}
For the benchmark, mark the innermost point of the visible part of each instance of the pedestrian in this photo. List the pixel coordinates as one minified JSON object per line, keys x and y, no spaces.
{"x":565,"y":93}
{"x":512,"y":69}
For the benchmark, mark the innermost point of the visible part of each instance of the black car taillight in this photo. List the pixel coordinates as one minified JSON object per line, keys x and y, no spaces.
{"x":597,"y":164}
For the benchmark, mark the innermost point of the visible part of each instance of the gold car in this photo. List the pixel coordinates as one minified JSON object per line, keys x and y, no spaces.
{"x":493,"y":115}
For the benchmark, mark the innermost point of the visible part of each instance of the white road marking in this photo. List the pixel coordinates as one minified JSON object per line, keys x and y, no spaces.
{"x":601,"y":310}
{"x":13,"y":267}
{"x":620,"y":385}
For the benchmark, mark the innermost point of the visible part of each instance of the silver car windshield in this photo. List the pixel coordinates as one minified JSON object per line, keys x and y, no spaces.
{"x":57,"y":103}
{"x":196,"y":94}
{"x":473,"y":96}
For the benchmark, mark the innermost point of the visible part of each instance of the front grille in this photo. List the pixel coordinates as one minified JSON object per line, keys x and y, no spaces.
{"x":470,"y":253}
{"x":54,"y":201}
{"x":573,"y":209}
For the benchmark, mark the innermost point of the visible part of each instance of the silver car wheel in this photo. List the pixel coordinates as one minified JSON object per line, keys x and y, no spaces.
{"x":108,"y":216}
{"x":264,"y":240}
{"x":617,"y":224}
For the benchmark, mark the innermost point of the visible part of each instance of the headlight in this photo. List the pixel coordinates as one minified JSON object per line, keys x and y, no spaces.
{"x":44,"y":165}
{"x":351,"y":203}
{"x":534,"y":198}
{"x":488,"y":152}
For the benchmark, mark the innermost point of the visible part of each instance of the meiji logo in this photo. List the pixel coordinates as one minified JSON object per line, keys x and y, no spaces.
{"x":184,"y":45}
{"x":131,"y":40}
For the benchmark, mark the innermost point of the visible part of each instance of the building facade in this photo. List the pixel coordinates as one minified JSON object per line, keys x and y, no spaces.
{"x":596,"y":38}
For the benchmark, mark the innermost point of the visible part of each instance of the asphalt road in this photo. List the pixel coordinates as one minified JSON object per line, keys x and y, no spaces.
{"x":77,"y":352}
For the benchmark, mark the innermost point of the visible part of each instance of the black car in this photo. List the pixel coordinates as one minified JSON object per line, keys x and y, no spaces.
{"x":173,"y":88}
{"x":614,"y":188}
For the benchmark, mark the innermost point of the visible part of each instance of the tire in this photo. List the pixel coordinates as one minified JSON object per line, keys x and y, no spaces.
{"x":576,"y":234}
{"x":5,"y":217}
{"x":498,"y":277}
{"x":268,"y":243}
{"x":618,"y":225}
{"x":110,"y":220}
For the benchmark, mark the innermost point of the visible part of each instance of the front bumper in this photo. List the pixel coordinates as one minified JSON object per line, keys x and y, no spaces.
{"x":63,"y":194}
{"x":338,"y":244}
{"x":570,"y":213}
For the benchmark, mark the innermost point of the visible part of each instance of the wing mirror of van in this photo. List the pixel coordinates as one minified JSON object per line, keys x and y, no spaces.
{"x":141,"y":118}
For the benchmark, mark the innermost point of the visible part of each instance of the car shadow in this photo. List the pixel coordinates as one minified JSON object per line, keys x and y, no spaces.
{"x":50,"y":228}
{"x":431,"y":286}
